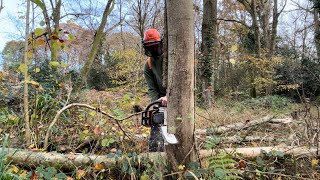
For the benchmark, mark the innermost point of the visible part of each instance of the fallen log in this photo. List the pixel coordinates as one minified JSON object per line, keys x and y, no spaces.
{"x":29,"y":158}
{"x":73,"y":161}
{"x":241,"y":126}
{"x":238,"y":139}
{"x":253,"y":152}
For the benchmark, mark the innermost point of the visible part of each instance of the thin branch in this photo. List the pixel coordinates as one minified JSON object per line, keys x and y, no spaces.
{"x":236,"y":21}
{"x":75,"y":14}
{"x":301,"y":8}
{"x":285,"y":4}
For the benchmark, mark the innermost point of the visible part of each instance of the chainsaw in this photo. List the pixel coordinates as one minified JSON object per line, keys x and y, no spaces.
{"x":156,"y":116}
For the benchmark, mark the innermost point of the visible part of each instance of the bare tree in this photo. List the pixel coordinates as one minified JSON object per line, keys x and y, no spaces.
{"x":144,"y":14}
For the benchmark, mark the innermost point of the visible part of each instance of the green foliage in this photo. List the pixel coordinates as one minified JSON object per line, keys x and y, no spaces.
{"x":10,"y":98}
{"x":155,"y":170}
{"x":8,"y":117}
{"x":4,"y":175}
{"x":127,"y":70}
{"x":248,"y":42}
{"x":46,"y":107}
{"x":269,"y":102}
{"x":48,"y":77}
{"x":220,"y":167}
{"x":276,"y":104}
{"x":47,"y":173}
{"x":267,"y":162}
{"x":108,"y":141}
{"x":212,"y":141}
{"x":38,"y":3}
{"x":98,"y":75}
{"x":13,"y":54}
{"x":297,"y":77}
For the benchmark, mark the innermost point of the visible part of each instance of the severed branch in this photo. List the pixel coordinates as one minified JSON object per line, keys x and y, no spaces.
{"x":89,"y":107}
{"x":238,"y":139}
{"x":241,"y":126}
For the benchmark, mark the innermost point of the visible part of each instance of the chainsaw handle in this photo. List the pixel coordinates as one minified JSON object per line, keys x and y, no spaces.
{"x":153,"y":103}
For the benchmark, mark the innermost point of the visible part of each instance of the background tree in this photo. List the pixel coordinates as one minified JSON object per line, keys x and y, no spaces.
{"x":208,"y":51}
{"x":97,"y":39}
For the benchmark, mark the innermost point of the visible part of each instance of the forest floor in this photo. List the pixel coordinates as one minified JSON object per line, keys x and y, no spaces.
{"x":81,"y":130}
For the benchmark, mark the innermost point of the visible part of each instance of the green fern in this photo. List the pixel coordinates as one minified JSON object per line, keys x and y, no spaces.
{"x":221,"y":167}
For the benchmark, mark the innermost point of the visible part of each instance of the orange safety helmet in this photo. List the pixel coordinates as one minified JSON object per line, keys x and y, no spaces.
{"x":151,"y":37}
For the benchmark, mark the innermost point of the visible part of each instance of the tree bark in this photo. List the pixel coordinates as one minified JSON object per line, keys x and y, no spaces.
{"x":96,"y":41}
{"x":25,"y":82}
{"x":180,"y":91}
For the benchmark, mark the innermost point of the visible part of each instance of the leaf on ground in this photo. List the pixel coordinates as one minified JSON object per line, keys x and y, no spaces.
{"x":97,"y":130}
{"x":33,"y":176}
{"x":144,"y":177}
{"x":234,"y":48}
{"x":80,"y":173}
{"x":98,"y":167}
{"x":242,"y":164}
{"x":314,"y":162}
{"x":23,"y":174}
{"x":13,"y":169}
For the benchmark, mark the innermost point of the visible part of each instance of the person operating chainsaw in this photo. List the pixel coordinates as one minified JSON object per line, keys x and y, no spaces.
{"x":152,"y":44}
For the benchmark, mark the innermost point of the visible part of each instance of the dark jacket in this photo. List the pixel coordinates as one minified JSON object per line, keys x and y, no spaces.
{"x":154,"y":79}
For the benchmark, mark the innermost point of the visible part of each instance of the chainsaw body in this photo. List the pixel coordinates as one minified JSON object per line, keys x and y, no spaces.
{"x":155,"y":115}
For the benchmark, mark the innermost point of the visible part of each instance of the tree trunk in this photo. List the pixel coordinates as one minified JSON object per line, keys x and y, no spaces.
{"x":208,"y":48}
{"x":52,"y":34}
{"x":317,"y":31}
{"x":180,"y":91}
{"x":1,"y":5}
{"x":25,"y":82}
{"x":165,"y":50}
{"x":96,"y":41}
{"x":56,"y":18}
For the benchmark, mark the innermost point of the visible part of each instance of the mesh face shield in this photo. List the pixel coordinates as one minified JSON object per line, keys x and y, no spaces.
{"x":153,"y":49}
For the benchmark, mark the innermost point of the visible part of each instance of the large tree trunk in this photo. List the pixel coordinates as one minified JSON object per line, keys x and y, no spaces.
{"x":180,"y":91}
{"x":96,"y":41}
